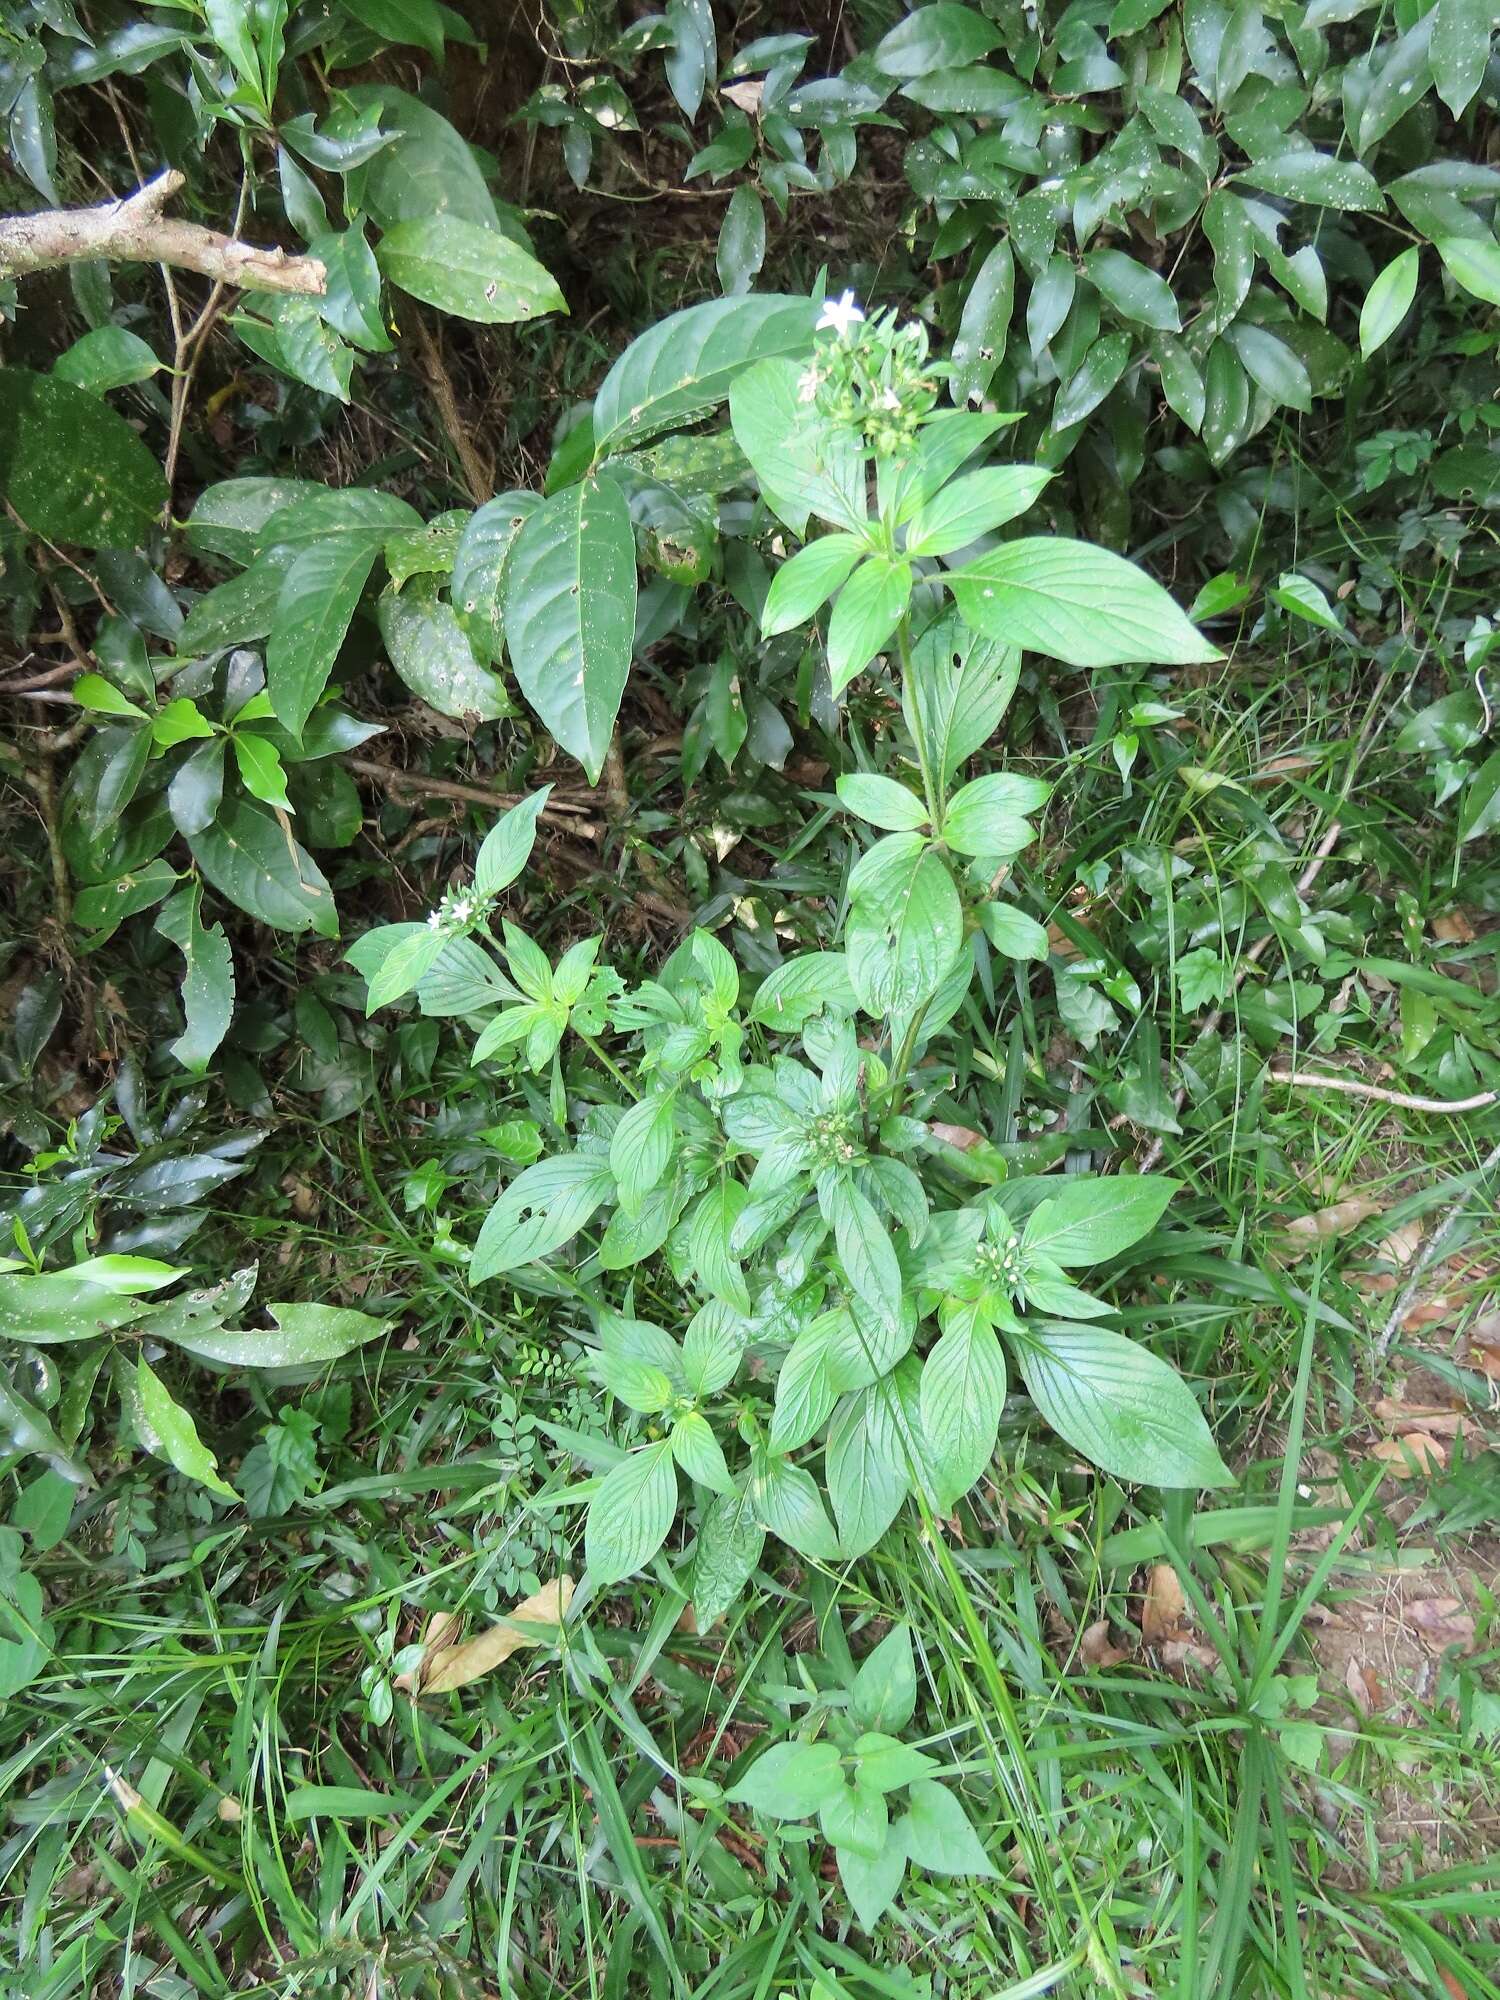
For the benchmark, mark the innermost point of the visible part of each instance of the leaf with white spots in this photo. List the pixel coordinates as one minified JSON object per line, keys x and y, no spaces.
{"x":570,"y":594}
{"x":463,"y":268}
{"x":71,"y":467}
{"x":431,"y":653}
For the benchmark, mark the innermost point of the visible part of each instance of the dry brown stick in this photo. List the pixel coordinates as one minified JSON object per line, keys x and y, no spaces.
{"x":573,"y":818}
{"x":133,"y":230}
{"x":1350,"y":1086}
{"x":477,"y":475}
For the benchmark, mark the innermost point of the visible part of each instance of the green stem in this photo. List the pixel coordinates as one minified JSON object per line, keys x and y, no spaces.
{"x":901,"y":1062}
{"x":903,"y":649}
{"x":609,"y":1063}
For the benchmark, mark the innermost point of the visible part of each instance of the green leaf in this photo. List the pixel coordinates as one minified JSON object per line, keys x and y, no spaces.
{"x":865,"y":614}
{"x":1119,"y":1405}
{"x":942,"y":36}
{"x":167,"y":1431}
{"x":1479,"y":813}
{"x":855,"y":1818}
{"x":1460,"y":49}
{"x":786,"y":1501}
{"x":979,"y":344}
{"x":570,"y":595}
{"x":94,"y":692}
{"x":866,"y":1462}
{"x":425,"y":168}
{"x":742,"y":241}
{"x":1135,"y":291}
{"x":801,"y":466}
{"x":110,"y":357}
{"x":1271,"y":365}
{"x":1227,"y":227}
{"x":506,"y":848}
{"x":803,"y":585}
{"x":631,"y":1514}
{"x":687,"y":363}
{"x":125,"y":1274}
{"x":1473,"y":263}
{"x":955,"y":689}
{"x":789,"y":997}
{"x":805,"y":1394}
{"x":937,"y":1835}
{"x":403,"y":967}
{"x":972,"y":506}
{"x":248,"y":858}
{"x":641,"y":1149}
{"x":539,"y":1211}
{"x":886,"y":1764}
{"x":1388,"y":301}
{"x":905,"y":929}
{"x":790,"y":1780}
{"x":729,"y":1547}
{"x":962,"y":1400}
{"x":884,"y":1695}
{"x":987,"y":816}
{"x":637,"y":1384}
{"x":207,"y":979}
{"x":872,"y":1886}
{"x":431,"y":652}
{"x":417,"y":22}
{"x":464,"y":268}
{"x":1013,"y":933}
{"x":697,"y":1451}
{"x":1316,"y":177}
{"x":1302,"y":597}
{"x":314,"y":609}
{"x":479,"y":565}
{"x":305,"y":1336}
{"x":1088,"y":1221}
{"x":1076,"y":603}
{"x":882,"y":801}
{"x":1181,"y":383}
{"x":55,"y":1307}
{"x":261,"y":770}
{"x":292,"y":335}
{"x":72,"y":467}
{"x":1089,"y":384}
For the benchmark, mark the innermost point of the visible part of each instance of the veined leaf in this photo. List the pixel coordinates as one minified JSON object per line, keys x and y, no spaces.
{"x":1076,"y":603}
{"x":570,"y":595}
{"x":688,"y":362}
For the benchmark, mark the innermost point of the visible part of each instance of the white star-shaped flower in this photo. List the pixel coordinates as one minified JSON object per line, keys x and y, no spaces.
{"x":842,"y":315}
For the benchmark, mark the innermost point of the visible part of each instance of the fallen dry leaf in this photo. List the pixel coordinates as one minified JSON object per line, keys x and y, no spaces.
{"x":1401,"y":1245}
{"x":1325,"y":1225}
{"x":1097,"y":1649}
{"x":1442,"y":1622}
{"x":958,"y":1136}
{"x":745,"y":97}
{"x":1163,"y":1609}
{"x":1455,"y":928}
{"x":1411,"y":1455}
{"x":1435,"y":1419}
{"x":1364,"y":1688}
{"x":446,"y":1667}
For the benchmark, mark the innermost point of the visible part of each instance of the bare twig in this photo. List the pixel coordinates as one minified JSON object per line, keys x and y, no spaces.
{"x":573,"y":818}
{"x":1430,"y":1253}
{"x":477,"y":475}
{"x":133,"y":230}
{"x":1350,"y":1086}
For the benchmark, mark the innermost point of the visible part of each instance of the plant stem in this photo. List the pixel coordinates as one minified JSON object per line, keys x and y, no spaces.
{"x":609,"y":1063}
{"x":903,"y":648}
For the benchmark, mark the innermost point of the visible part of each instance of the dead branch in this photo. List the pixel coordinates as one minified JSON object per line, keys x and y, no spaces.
{"x":133,"y":230}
